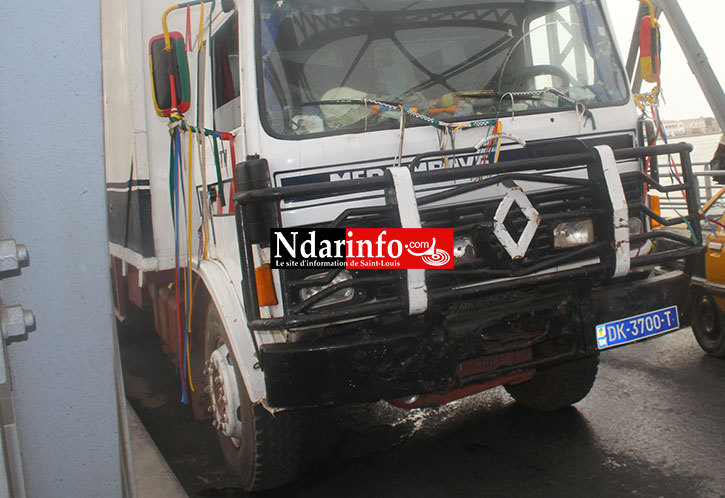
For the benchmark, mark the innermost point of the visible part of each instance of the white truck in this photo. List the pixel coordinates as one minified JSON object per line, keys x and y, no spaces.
{"x":509,"y":121}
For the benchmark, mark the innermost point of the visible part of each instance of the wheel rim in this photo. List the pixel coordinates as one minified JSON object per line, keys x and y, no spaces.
{"x":223,"y":392}
{"x":707,"y":320}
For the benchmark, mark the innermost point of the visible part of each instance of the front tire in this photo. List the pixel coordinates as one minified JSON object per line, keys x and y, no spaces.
{"x":262,"y":448}
{"x":557,"y":387}
{"x":707,"y":323}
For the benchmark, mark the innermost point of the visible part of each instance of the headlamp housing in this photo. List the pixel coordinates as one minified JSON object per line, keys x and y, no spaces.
{"x":573,"y":234}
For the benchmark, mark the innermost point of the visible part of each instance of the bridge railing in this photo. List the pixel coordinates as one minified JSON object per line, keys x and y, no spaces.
{"x":706,"y":179}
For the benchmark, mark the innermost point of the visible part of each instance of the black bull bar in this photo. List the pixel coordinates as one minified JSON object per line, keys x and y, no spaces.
{"x":530,"y":170}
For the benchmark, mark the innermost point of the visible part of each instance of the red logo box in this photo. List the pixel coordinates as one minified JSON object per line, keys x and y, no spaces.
{"x":399,"y":248}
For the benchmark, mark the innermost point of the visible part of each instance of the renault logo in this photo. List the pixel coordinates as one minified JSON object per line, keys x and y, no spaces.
{"x":514,"y":195}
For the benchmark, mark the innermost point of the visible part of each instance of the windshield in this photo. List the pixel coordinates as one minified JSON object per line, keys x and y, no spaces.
{"x":321,"y":61}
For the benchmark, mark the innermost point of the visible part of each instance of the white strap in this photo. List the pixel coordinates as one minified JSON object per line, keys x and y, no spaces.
{"x":619,"y":207}
{"x":410,"y":218}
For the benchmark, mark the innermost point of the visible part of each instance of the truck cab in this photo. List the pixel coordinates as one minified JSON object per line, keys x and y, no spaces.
{"x":509,"y":122}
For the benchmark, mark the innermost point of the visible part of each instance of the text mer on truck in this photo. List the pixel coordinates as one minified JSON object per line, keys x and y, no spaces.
{"x":507,"y":124}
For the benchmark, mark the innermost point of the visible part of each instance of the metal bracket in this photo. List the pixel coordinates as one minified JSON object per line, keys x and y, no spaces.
{"x":620,"y":216}
{"x":15,"y":323}
{"x":409,"y":218}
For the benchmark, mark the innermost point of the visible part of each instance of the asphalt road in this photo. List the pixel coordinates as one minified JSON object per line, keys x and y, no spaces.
{"x":653,"y":426}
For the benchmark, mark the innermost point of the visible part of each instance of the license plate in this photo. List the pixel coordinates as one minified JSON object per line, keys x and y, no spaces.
{"x":635,"y":328}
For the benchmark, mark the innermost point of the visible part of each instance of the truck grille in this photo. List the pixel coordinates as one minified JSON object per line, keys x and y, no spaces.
{"x":492,"y":260}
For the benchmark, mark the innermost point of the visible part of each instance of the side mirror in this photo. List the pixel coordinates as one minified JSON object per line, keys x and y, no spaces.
{"x":167,"y":66}
{"x":649,"y":50}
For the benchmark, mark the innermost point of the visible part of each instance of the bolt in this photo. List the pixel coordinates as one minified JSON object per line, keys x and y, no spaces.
{"x":15,"y":321}
{"x":28,"y":319}
{"x":12,"y":255}
{"x":23,"y":257}
{"x":210,"y":409}
{"x":207,"y":390}
{"x":218,"y":379}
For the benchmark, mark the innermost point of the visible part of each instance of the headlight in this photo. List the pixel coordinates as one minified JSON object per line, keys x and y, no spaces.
{"x":340,"y":296}
{"x":572,"y":234}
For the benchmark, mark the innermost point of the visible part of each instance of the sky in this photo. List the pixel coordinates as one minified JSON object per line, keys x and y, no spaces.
{"x":683,"y":96}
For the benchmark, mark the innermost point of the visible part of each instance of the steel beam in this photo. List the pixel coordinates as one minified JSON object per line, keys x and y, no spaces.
{"x":696,"y":58}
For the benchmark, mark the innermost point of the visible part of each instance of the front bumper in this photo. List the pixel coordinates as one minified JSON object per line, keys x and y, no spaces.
{"x":600,"y":196}
{"x":408,"y":356}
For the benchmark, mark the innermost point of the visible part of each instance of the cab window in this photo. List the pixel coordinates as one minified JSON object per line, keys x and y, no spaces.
{"x":225,"y":63}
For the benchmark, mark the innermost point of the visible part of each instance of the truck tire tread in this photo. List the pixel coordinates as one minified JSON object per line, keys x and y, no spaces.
{"x":557,"y":387}
{"x":268,"y":452}
{"x":707,"y":324}
{"x":277,"y":445}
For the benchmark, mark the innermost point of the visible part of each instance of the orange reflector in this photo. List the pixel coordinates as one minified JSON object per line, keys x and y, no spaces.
{"x":265,"y":286}
{"x":654,"y":205}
